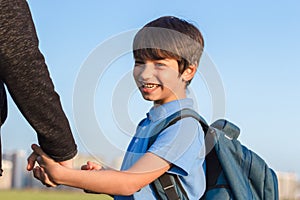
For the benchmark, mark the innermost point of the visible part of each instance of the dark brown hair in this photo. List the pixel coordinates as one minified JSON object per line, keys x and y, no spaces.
{"x":169,"y":37}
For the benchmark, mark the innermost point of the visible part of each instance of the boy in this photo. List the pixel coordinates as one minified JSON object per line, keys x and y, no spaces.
{"x":166,"y":52}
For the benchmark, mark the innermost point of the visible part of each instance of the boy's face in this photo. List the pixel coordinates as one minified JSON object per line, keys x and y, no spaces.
{"x":159,"y":80}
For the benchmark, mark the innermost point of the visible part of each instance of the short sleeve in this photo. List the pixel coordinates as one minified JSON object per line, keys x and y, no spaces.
{"x":180,"y":144}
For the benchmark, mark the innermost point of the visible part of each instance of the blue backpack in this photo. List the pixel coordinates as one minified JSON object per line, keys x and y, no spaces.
{"x":232,"y":170}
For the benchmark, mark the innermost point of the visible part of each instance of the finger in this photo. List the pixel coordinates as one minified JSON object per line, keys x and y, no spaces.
{"x":88,"y":166}
{"x":31,"y":161}
{"x":38,"y":150}
{"x":37,"y":173}
{"x":94,"y":165}
{"x":42,"y":157}
{"x":85,"y":167}
{"x":46,"y":180}
{"x":40,"y":174}
{"x":40,"y":161}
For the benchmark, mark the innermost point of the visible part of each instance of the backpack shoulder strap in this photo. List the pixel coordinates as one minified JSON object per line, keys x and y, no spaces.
{"x":168,"y":182}
{"x":172,"y":119}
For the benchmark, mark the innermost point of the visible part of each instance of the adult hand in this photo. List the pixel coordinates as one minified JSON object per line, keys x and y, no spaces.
{"x":44,"y":162}
{"x":40,"y":174}
{"x":32,"y":159}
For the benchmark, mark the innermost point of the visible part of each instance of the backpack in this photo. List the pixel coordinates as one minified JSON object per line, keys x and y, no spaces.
{"x":232,"y":170}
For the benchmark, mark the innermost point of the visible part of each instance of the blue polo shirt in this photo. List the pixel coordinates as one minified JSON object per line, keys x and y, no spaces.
{"x":181,"y":144}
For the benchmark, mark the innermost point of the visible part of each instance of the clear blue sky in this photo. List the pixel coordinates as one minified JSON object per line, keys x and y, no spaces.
{"x":254,"y":45}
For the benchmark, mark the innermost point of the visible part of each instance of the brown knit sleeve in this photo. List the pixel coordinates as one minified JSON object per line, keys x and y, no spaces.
{"x":25,"y":74}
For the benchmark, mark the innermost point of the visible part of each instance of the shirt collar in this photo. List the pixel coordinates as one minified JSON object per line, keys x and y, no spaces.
{"x":159,"y":112}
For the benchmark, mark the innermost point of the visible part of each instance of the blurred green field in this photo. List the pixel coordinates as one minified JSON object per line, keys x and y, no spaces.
{"x":49,"y":195}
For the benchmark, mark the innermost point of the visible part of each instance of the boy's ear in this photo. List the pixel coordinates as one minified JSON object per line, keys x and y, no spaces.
{"x":189,"y":73}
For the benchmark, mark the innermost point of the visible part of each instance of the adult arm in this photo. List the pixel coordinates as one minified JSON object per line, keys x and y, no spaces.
{"x":24,"y":72}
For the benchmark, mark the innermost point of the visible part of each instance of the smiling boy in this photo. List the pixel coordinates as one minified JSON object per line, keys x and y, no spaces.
{"x":158,"y":80}
{"x":166,"y":52}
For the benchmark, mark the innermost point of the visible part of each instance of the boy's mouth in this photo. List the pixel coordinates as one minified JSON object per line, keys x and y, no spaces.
{"x":150,"y":85}
{"x":148,"y":88}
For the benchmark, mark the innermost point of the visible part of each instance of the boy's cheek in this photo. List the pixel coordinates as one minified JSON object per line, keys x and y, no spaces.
{"x":136,"y":73}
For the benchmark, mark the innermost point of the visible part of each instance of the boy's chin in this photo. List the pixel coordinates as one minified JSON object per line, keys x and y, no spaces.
{"x":148,"y":98}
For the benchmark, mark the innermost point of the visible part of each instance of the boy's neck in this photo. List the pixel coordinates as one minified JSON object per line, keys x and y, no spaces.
{"x":158,"y":103}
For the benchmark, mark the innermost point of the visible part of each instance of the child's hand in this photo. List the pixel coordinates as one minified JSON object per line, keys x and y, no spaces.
{"x":91,"y":166}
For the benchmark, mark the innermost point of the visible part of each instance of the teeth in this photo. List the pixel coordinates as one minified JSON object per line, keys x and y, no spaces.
{"x":149,"y":85}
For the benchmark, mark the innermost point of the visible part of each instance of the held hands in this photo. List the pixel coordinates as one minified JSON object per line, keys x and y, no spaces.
{"x":49,"y":172}
{"x":47,"y":168}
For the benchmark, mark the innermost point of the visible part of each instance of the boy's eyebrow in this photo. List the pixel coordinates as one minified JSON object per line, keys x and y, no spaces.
{"x":161,"y":60}
{"x":139,"y":62}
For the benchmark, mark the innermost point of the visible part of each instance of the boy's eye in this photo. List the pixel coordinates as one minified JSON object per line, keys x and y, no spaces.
{"x":160,"y":64}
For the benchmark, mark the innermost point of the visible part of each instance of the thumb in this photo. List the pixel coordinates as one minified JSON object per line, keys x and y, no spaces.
{"x":31,"y":161}
{"x":37,"y":150}
{"x":94,"y":165}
